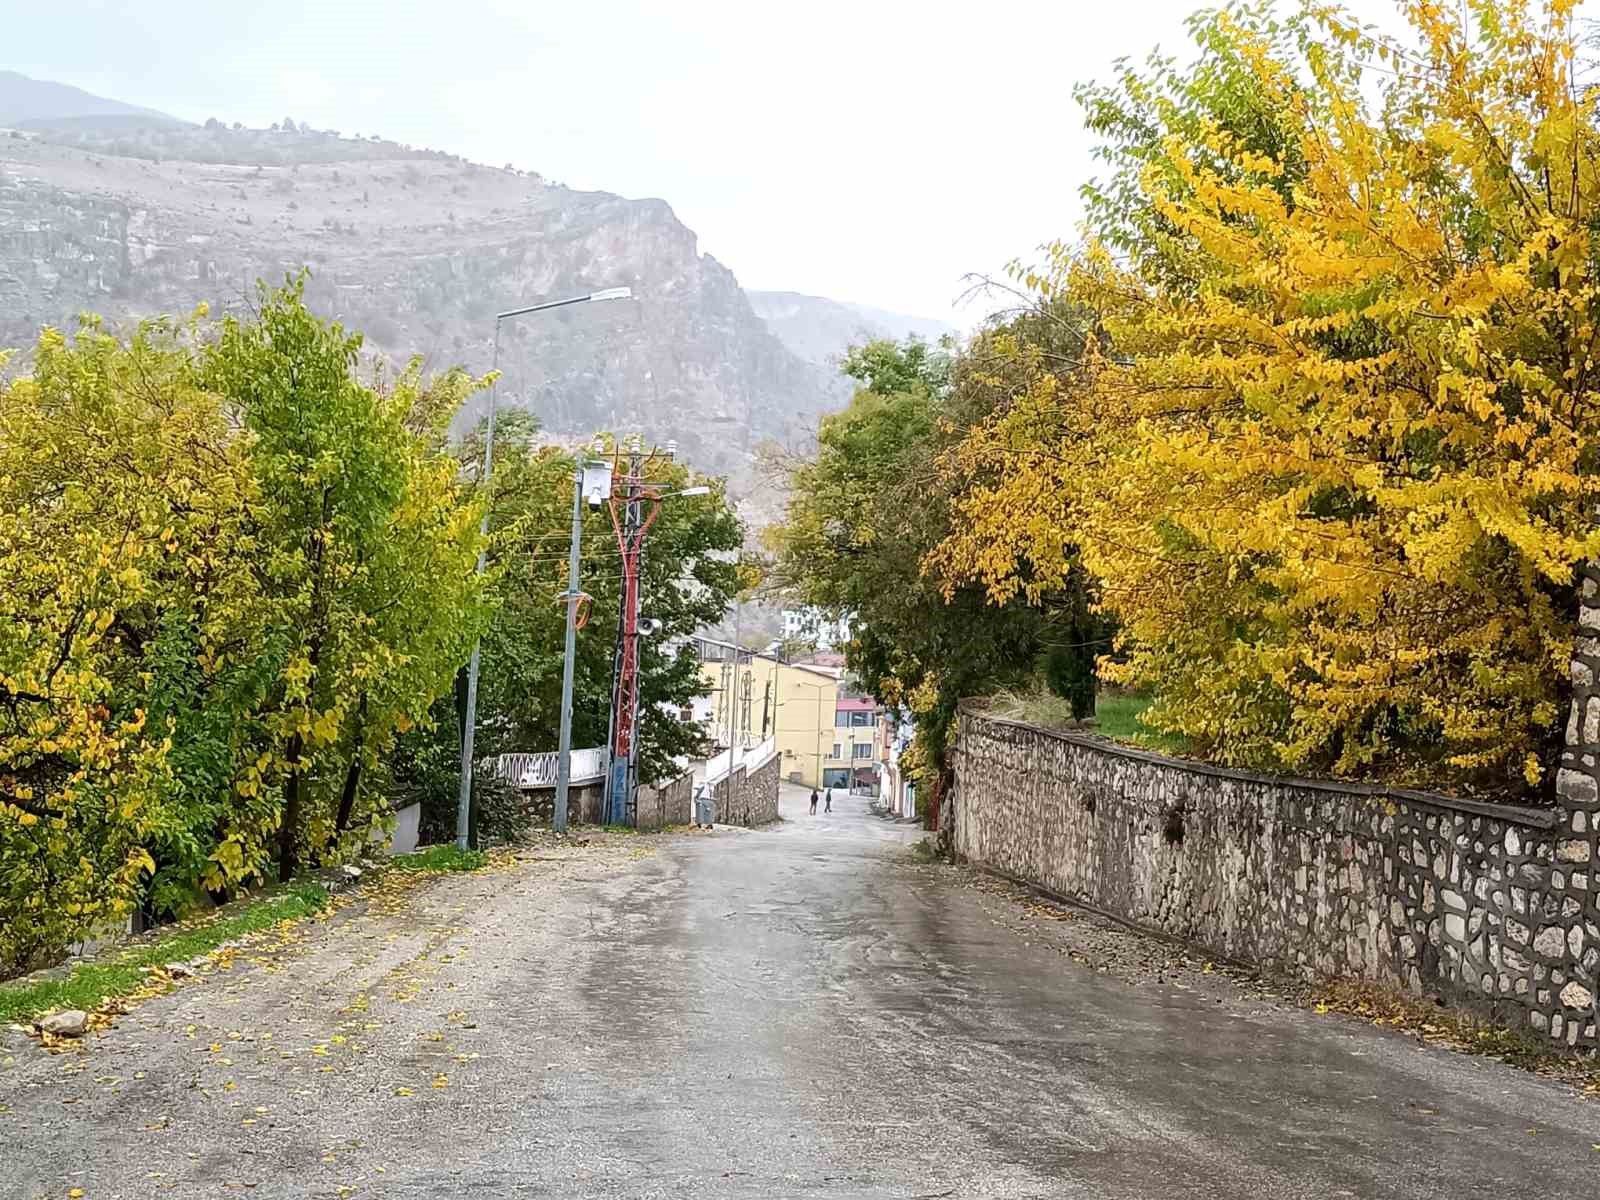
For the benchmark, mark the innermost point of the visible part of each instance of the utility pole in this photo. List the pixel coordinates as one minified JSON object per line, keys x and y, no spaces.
{"x":469,"y":725}
{"x":558,"y":820}
{"x":635,"y":504}
{"x":733,"y":692}
{"x":627,"y":517}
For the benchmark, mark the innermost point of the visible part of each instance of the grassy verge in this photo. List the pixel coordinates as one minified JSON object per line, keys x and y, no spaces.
{"x":447,"y":857}
{"x":91,"y":984}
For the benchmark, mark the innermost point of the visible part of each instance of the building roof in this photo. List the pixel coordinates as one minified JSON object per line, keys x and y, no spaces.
{"x":857,"y":704}
{"x":826,"y":672}
{"x":822,"y":658}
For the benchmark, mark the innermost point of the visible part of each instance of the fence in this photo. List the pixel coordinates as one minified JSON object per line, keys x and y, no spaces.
{"x":539,"y":770}
{"x":751,"y":757}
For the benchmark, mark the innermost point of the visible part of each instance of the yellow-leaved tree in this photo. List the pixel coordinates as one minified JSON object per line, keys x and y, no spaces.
{"x":120,"y":497}
{"x":234,"y":571}
{"x":1339,"y":455}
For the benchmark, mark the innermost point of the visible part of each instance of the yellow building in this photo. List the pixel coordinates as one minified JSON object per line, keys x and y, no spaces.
{"x":796,"y":703}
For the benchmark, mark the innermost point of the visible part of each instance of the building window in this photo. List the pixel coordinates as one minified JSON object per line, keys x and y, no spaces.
{"x":686,"y":714}
{"x":841,"y":720}
{"x":860,"y":719}
{"x":861,"y":750}
{"x":837,"y":751}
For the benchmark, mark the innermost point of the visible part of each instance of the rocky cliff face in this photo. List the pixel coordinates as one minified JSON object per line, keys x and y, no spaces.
{"x":419,"y":251}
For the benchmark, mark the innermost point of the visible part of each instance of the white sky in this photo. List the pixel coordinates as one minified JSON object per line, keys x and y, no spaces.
{"x":874,"y":151}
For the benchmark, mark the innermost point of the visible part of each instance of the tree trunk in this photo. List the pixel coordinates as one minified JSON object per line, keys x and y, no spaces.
{"x":461,"y":708}
{"x":352,"y":776}
{"x":288,"y":850}
{"x":347,"y":798}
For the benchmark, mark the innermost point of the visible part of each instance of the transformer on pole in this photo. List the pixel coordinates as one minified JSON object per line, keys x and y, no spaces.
{"x":635,"y":504}
{"x":634,"y":507}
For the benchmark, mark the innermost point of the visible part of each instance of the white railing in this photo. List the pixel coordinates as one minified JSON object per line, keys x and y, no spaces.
{"x":539,"y":770}
{"x":761,"y":754}
{"x":718,"y":766}
{"x":750,"y":757}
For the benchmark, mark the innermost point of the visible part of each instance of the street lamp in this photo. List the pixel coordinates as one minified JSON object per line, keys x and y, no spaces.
{"x":591,"y":480}
{"x":464,"y":801}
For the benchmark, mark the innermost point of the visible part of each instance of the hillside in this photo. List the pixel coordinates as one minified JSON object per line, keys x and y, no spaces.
{"x":820,"y":330}
{"x":417,"y":248}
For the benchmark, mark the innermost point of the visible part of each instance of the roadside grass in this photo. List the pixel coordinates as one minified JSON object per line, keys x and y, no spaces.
{"x":91,"y":984}
{"x":446,"y":857}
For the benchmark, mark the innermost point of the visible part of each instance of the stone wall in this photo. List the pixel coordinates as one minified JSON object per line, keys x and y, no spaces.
{"x":670,"y":804}
{"x":585,"y":803}
{"x":1488,"y":906}
{"x":748,"y":798}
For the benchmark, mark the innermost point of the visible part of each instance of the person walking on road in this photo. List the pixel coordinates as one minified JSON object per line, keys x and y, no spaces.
{"x":829,"y":800}
{"x":813,"y":802}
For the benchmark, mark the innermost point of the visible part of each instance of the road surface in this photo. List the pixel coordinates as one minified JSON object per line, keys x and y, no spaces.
{"x":803,"y":1011}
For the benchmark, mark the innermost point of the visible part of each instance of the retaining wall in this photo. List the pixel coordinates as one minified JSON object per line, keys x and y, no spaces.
{"x":670,"y":804}
{"x":748,"y":798}
{"x":1489,"y":906}
{"x":586,"y":803}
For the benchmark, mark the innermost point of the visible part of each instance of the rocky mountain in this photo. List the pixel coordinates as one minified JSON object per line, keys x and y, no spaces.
{"x":820,"y":330}
{"x":419,"y":249}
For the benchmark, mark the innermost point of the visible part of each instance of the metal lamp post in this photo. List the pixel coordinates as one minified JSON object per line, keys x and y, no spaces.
{"x":591,"y":481}
{"x":464,"y":802}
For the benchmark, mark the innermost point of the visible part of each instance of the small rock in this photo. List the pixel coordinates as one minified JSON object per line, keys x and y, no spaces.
{"x":70,"y":1022}
{"x":178,"y":970}
{"x":351,"y":871}
{"x":1551,"y":942}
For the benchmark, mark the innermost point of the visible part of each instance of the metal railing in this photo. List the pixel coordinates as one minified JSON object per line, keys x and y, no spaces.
{"x":750,"y":757}
{"x":539,"y":770}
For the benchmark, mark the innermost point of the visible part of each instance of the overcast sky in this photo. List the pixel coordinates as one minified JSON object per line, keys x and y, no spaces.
{"x":873,"y":151}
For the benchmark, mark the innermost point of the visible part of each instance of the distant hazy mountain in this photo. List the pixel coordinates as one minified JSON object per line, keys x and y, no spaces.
{"x":129,"y":215}
{"x":24,"y":101}
{"x":821,"y":330}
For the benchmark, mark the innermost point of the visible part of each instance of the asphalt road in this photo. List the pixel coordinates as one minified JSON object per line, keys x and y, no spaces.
{"x":802,"y":1011}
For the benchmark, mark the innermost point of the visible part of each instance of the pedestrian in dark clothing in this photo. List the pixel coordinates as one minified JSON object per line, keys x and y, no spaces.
{"x":813,"y":802}
{"x":829,"y":805}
